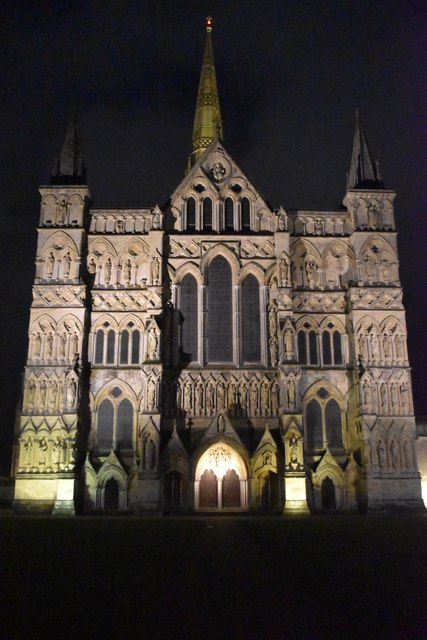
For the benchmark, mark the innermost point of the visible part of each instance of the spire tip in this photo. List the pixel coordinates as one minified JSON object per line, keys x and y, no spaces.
{"x":209,"y":23}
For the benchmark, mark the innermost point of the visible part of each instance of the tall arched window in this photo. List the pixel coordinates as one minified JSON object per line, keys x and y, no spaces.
{"x":314,"y":427}
{"x":302,"y":346}
{"x":251,"y":325}
{"x":135,"y":346}
{"x":219,"y":312}
{"x":189,"y":316}
{"x":124,"y":428}
{"x":124,"y":347}
{"x":326,"y":348}
{"x":207,"y":213}
{"x":191,"y":213}
{"x":111,"y":341}
{"x":229,"y":214}
{"x":99,"y":347}
{"x":333,"y":424}
{"x":246,"y":214}
{"x":104,"y":434}
{"x":336,"y":340}
{"x":312,"y":347}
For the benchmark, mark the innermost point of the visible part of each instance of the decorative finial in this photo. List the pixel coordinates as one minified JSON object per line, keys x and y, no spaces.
{"x":209,"y":23}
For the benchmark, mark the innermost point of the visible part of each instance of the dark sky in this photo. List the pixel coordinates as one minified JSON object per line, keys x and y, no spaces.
{"x":290,"y":76}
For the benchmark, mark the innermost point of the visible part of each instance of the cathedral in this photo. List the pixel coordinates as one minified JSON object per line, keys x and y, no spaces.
{"x":215,"y":355}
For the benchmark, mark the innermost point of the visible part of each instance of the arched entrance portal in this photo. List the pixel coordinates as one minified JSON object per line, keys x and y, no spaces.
{"x":111,"y":495}
{"x":221,"y":480}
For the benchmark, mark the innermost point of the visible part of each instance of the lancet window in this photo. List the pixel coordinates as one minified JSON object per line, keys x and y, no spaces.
{"x":251,"y":326}
{"x":191,"y":213}
{"x":219,"y":312}
{"x":246,"y":214}
{"x":130,"y":341}
{"x":189,"y":316}
{"x":115,"y":423}
{"x":323,"y":422}
{"x":105,"y":345}
{"x":325,"y":348}
{"x":229,"y":214}
{"x":207,"y":213}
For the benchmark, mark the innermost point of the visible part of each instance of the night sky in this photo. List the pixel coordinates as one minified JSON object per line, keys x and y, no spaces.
{"x":290,"y":76}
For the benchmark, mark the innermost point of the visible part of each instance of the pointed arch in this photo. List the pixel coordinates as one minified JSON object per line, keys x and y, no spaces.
{"x":219,"y":310}
{"x":251,"y":319}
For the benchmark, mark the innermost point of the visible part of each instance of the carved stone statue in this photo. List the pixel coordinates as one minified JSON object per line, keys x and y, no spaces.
{"x":367,"y":395}
{"x":209,"y":398}
{"x":386,"y":347}
{"x":150,"y":455}
{"x":311,"y":272}
{"x":107,"y":271}
{"x":71,"y":393}
{"x":383,"y":395}
{"x":293,"y":451}
{"x":220,"y":423}
{"x":31,"y":393}
{"x":199,"y":398}
{"x":273,"y":351}
{"x":128,"y":271}
{"x":50,"y":265}
{"x":91,"y":267}
{"x":290,"y":393}
{"x":272,"y":317}
{"x":61,"y":211}
{"x":394,"y":454}
{"x":381,"y":453}
{"x":37,"y":345}
{"x":231,"y":395}
{"x":407,"y":454}
{"x":253,"y":399}
{"x":275,"y":398}
{"x":393,"y":395}
{"x":49,"y":345}
{"x":62,"y":344}
{"x":66,"y":265}
{"x":153,"y":342}
{"x":151,"y":394}
{"x":155,"y":271}
{"x":284,"y":270}
{"x":404,"y":395}
{"x":43,"y":392}
{"x":375,"y":352}
{"x":265,"y":400}
{"x":288,"y":343}
{"x":220,"y":397}
{"x":188,"y":397}
{"x":398,"y":342}
{"x":373,"y":214}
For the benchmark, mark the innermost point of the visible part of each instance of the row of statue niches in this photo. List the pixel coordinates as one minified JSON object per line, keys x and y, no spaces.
{"x":46,"y":453}
{"x":61,"y":347}
{"x":51,"y":395}
{"x":58,"y":265}
{"x":388,"y":398}
{"x":62,"y":212}
{"x":256,"y":398}
{"x":126,"y":273}
{"x":381,"y":349}
{"x":373,"y":213}
{"x":393,"y":453}
{"x":132,"y":223}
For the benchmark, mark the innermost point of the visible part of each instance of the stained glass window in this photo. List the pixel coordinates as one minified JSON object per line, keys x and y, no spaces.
{"x":251,"y":326}
{"x":219,"y":311}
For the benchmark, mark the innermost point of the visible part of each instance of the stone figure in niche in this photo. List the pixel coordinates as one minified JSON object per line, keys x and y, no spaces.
{"x":56,"y":454}
{"x":398,"y":342}
{"x":267,"y":459}
{"x":231,"y":395}
{"x":386,"y":347}
{"x":49,"y":345}
{"x":404,"y":395}
{"x":284,"y":270}
{"x":199,"y":398}
{"x":71,"y":393}
{"x":155,"y":272}
{"x":119,"y":226}
{"x":383,"y":395}
{"x":156,"y":219}
{"x":61,"y":211}
{"x":150,"y":455}
{"x":218,"y":171}
{"x":369,"y":268}
{"x":375,"y":352}
{"x":37,"y":345}
{"x":253,"y":399}
{"x":265,"y":404}
{"x":362,"y":213}
{"x":42,"y":442}
{"x":188,"y":397}
{"x":393,"y":394}
{"x":290,"y":393}
{"x":28,"y":450}
{"x":53,"y":388}
{"x":311,"y":272}
{"x":31,"y":393}
{"x":273,"y":321}
{"x":288,"y":343}
{"x":151,"y":394}
{"x":275,"y":398}
{"x":128,"y":271}
{"x":107,"y":271}
{"x":66,"y":265}
{"x":209,"y":398}
{"x":293,"y":451}
{"x":152,"y":344}
{"x":91,"y":267}
{"x":50,"y":265}
{"x":75,"y":344}
{"x":373,"y":214}
{"x":283,"y":222}
{"x":381,"y":453}
{"x":220,"y":397}
{"x":394,"y":454}
{"x":220,"y":423}
{"x":367,"y":395}
{"x":243,"y":394}
{"x":407,"y":454}
{"x":43,"y":391}
{"x":273,"y":351}
{"x":62,"y":344}
{"x":386,"y":271}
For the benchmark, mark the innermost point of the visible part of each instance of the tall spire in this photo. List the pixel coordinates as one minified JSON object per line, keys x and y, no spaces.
{"x":207,"y":120}
{"x":364,"y":173}
{"x":69,"y":167}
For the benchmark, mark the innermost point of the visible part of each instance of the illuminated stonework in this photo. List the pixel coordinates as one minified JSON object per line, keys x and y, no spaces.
{"x":216,"y":354}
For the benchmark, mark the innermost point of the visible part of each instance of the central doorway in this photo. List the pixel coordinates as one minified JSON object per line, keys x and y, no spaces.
{"x":221,"y":480}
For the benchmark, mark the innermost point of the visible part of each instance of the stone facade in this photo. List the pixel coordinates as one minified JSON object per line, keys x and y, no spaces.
{"x":216,"y":355}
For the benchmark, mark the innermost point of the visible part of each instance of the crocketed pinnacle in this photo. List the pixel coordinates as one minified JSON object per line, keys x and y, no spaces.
{"x":364,"y":172}
{"x":69,"y":167}
{"x":207,"y":120}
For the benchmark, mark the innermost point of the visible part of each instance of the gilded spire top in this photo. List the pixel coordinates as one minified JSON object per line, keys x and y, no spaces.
{"x":207,"y":120}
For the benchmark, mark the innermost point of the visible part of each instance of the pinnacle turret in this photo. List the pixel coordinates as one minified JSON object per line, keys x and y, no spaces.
{"x":69,"y":167}
{"x":207,"y":120}
{"x":364,"y":172}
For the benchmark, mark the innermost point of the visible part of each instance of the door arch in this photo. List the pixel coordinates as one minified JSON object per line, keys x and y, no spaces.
{"x":220,"y":480}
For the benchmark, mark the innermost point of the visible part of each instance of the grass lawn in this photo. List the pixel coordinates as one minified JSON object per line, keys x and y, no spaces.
{"x":219,"y":577}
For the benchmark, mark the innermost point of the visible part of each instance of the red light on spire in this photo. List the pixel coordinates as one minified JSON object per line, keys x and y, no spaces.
{"x":209,"y":23}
